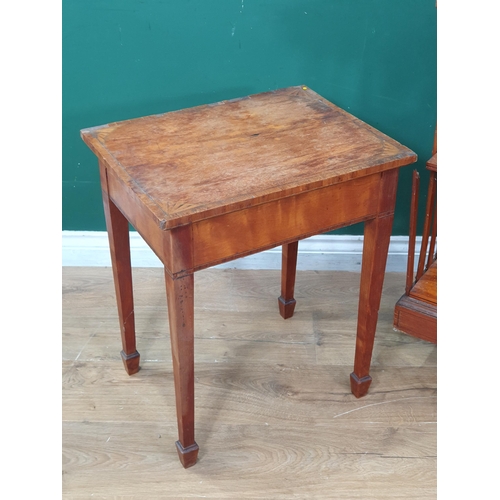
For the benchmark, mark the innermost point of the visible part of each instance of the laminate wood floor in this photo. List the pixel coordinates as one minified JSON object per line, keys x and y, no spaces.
{"x":275,"y":417}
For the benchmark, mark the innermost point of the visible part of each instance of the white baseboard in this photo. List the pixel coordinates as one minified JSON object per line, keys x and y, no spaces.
{"x":320,"y":253}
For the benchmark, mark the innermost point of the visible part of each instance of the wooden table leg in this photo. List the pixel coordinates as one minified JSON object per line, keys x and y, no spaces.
{"x":286,"y":301}
{"x":180,"y":298}
{"x":377,"y":236}
{"x":119,"y":244}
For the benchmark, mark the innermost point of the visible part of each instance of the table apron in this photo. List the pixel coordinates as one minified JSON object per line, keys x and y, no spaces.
{"x":237,"y":234}
{"x":229,"y":236}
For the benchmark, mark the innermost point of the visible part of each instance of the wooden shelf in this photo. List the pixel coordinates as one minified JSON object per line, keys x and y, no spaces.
{"x":416,"y":313}
{"x":425,"y":289}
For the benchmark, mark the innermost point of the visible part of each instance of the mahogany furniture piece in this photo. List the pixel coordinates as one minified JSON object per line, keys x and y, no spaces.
{"x":213,"y":183}
{"x":415,"y":312}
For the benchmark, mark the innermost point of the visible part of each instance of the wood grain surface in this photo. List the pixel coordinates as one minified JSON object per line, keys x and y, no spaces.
{"x":275,"y":415}
{"x":426,"y":287}
{"x":248,"y":151}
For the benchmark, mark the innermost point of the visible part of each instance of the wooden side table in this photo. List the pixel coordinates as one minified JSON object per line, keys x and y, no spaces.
{"x":214,"y":183}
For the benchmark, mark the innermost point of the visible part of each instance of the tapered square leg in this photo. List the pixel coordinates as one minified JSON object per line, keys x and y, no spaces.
{"x":286,"y":302}
{"x":119,"y":245}
{"x":375,"y":247}
{"x":180,"y":297}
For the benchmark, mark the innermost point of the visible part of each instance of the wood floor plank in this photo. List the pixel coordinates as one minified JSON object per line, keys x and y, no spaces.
{"x":242,"y":394}
{"x":275,"y":417}
{"x":278,"y":461}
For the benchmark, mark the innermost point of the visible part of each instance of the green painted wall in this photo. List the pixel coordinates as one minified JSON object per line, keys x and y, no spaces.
{"x":128,"y":58}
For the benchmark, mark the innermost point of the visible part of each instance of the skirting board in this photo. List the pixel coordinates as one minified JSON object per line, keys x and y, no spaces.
{"x":317,"y":253}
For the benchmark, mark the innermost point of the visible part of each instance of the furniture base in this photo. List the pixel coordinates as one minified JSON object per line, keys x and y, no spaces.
{"x":360,"y":386}
{"x":416,"y":318}
{"x":131,"y":362}
{"x":286,"y":307}
{"x":187,"y":456}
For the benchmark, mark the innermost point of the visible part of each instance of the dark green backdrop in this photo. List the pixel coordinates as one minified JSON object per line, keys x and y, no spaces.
{"x":128,"y":58}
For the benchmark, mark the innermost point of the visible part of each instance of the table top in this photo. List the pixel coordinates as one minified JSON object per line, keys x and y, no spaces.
{"x":200,"y":162}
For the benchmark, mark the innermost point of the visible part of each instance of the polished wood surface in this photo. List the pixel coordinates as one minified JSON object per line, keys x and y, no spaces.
{"x":180,"y":297}
{"x":426,"y":287}
{"x":415,"y":313}
{"x":210,"y":184}
{"x":275,"y":415}
{"x":119,"y":244}
{"x":286,"y":301}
